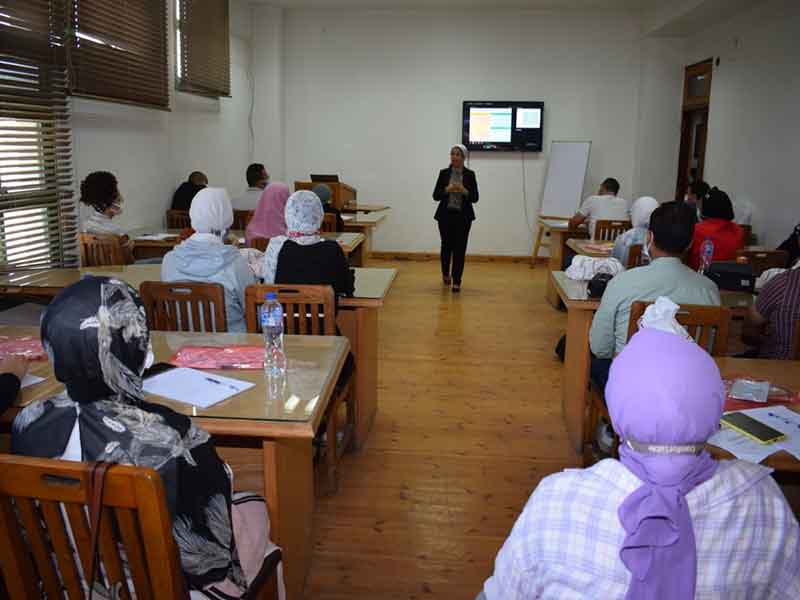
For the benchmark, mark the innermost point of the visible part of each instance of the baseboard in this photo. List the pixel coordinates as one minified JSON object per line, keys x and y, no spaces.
{"x":426,"y":256}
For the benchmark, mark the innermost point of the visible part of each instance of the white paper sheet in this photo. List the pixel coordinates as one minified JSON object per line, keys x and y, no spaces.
{"x":194,"y":387}
{"x":155,"y":236}
{"x":30,"y":380}
{"x":347,"y":217}
{"x":778,"y":417}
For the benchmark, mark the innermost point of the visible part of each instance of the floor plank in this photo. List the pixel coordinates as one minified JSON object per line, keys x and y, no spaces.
{"x":469,"y":421}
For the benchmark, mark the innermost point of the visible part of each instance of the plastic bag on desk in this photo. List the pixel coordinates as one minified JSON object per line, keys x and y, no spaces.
{"x":232,"y":356}
{"x":26,"y":346}
{"x":661,"y":315}
{"x":585,"y":267}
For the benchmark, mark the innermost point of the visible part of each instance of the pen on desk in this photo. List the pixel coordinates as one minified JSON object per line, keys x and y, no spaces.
{"x":218,"y":382}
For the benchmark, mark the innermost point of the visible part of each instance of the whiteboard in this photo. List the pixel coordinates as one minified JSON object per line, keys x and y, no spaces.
{"x":566,"y":172}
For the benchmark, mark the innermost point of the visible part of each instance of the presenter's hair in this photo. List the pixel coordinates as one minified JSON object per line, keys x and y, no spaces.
{"x":672,"y":225}
{"x":612,"y":185}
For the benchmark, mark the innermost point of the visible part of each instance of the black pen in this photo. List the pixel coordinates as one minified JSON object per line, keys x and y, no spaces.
{"x":233,"y":387}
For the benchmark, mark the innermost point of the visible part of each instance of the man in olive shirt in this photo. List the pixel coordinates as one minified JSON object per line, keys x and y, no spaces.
{"x":669,"y":235}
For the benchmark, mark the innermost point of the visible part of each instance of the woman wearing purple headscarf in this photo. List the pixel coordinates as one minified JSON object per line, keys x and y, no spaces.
{"x":666,"y":521}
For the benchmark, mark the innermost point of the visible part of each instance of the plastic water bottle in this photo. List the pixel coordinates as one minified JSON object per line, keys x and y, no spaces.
{"x":706,"y":254}
{"x":272,"y":326}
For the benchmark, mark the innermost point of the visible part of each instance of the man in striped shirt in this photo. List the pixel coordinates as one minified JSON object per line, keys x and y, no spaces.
{"x":771,"y":322}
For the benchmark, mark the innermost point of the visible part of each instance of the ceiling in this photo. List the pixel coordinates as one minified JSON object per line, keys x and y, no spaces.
{"x":632,"y":5}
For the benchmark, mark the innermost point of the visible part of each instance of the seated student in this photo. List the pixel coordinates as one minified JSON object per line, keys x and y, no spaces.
{"x":204,"y":257}
{"x":12,"y":372}
{"x":182,"y":199}
{"x":99,"y":344}
{"x":670,"y":233}
{"x":257,"y":179}
{"x":640,"y":219}
{"x":325,"y":196}
{"x":718,"y":226}
{"x":770,"y":323}
{"x":792,"y":246}
{"x":302,"y":256}
{"x":606,"y":205}
{"x":269,"y":220}
{"x":666,"y":521}
{"x":99,"y":191}
{"x":695,"y":192}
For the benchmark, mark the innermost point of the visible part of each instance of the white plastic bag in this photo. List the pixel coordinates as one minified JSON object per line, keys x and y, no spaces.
{"x":661,"y":315}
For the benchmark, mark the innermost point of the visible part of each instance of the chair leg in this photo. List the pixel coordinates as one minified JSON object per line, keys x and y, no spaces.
{"x":331,"y":450}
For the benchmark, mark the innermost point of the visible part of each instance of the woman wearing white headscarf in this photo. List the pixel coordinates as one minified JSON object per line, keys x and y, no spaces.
{"x":204,"y":257}
{"x":456,"y":191}
{"x":302,"y":256}
{"x":640,"y":219}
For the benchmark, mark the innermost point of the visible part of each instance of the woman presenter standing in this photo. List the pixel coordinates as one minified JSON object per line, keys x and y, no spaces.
{"x":456,"y":191}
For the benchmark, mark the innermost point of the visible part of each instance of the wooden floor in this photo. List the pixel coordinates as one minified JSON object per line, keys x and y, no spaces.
{"x":469,"y":421}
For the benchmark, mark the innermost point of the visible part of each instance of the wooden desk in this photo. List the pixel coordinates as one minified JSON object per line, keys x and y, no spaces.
{"x":365,"y":208}
{"x":575,"y":379}
{"x":784,"y":373}
{"x":559,"y":232}
{"x":357,"y":319}
{"x":364,"y":223}
{"x":593,"y":248}
{"x":268,"y":445}
{"x":341,"y":193}
{"x":351,"y":243}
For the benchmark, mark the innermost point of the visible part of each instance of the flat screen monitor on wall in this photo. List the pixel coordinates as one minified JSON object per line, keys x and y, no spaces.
{"x":503,"y":126}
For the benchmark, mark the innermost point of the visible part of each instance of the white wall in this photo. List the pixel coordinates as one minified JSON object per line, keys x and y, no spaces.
{"x":376,"y":97}
{"x":152,"y":151}
{"x":754,"y":119}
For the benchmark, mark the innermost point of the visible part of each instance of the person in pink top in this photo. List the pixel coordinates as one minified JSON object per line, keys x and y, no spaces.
{"x":268,"y":220}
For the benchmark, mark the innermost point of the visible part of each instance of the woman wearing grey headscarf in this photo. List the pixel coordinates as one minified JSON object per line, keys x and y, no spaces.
{"x":325,"y":195}
{"x":456,"y":191}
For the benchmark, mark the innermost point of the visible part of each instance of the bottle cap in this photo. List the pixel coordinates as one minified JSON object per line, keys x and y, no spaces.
{"x":272,"y":296}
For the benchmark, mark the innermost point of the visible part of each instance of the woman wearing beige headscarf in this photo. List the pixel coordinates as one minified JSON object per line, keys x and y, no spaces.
{"x":456,"y":191}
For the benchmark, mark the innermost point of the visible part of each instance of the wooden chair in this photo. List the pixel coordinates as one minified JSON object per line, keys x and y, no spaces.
{"x":241,"y":218}
{"x":761,"y":260}
{"x":101,"y":250}
{"x":184,"y":306}
{"x":635,"y":257}
{"x":609,"y":231}
{"x":259,"y":244}
{"x":328,"y":223}
{"x":708,"y":325}
{"x":747,"y":233}
{"x":44,"y":505}
{"x":178,"y":219}
{"x":311,"y":310}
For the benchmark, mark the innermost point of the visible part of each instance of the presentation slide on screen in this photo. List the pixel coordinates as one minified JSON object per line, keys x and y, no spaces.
{"x":529,"y":118}
{"x":489,"y":125}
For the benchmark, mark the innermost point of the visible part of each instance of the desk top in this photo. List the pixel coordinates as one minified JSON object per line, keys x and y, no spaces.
{"x":349,"y":241}
{"x":591,"y":248}
{"x":298,"y":402}
{"x":372,"y":285}
{"x":364,"y":219}
{"x":573,"y":292}
{"x":558,"y":224}
{"x":367,"y":208}
{"x":784,"y":373}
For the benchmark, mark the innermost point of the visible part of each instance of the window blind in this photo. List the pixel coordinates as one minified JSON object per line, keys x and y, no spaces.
{"x":203,"y":59}
{"x":38,"y":219}
{"x":118,"y":50}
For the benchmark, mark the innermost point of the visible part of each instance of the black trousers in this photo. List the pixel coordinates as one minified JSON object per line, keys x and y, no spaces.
{"x":454,"y":231}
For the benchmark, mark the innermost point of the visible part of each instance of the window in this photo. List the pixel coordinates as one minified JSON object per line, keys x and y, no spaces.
{"x":37,"y":212}
{"x":203,"y":60}
{"x":118,"y":51}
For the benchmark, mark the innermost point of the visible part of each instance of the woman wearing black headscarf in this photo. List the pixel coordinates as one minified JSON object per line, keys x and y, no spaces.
{"x":95,"y":333}
{"x":717,"y":227}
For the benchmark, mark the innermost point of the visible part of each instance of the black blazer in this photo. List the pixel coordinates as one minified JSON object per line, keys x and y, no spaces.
{"x":440,"y":196}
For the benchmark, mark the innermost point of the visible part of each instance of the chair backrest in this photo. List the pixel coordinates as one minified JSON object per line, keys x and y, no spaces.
{"x":259,"y":243}
{"x":101,"y":250}
{"x":761,"y":260}
{"x":178,"y":219}
{"x":184,"y":306}
{"x":307,"y":309}
{"x":708,"y":325}
{"x":747,"y":233}
{"x":46,"y":536}
{"x":609,"y":231}
{"x":635,"y":257}
{"x":328,"y":223}
{"x":796,"y":343}
{"x":241,"y":218}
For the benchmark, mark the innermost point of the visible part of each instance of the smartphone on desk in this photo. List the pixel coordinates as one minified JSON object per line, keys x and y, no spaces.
{"x":756,"y":430}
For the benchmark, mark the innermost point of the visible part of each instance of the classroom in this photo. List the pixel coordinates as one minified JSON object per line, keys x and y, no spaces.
{"x":399,"y":299}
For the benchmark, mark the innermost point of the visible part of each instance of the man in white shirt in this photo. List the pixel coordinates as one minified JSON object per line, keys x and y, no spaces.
{"x":606,"y":205}
{"x":257,"y":180}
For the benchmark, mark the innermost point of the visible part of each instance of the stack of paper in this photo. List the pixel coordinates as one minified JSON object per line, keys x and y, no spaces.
{"x":194,"y":387}
{"x":778,"y":417}
{"x":156,"y":236}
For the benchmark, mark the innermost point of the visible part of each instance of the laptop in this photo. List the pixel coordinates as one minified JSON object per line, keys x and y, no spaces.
{"x":321,"y":178}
